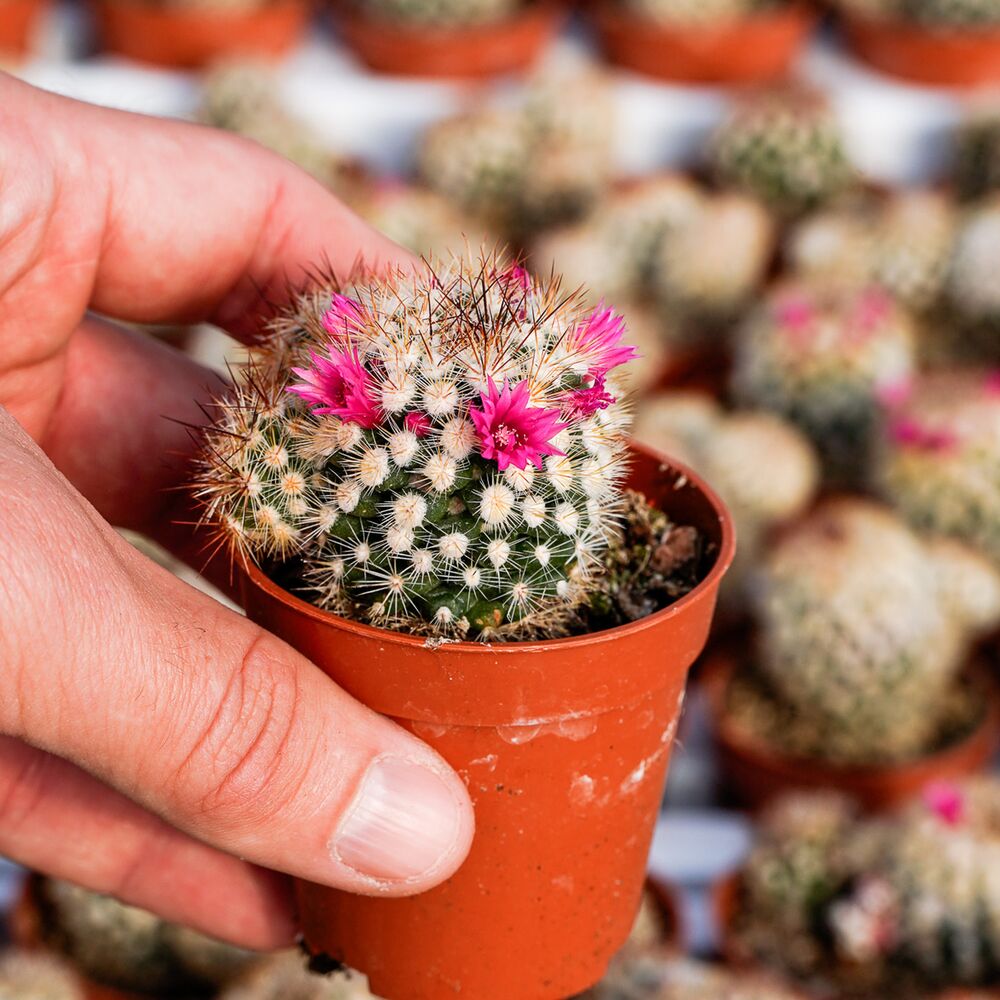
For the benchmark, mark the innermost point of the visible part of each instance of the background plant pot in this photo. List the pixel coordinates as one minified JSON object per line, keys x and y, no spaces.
{"x":564,"y":746}
{"x":472,"y":52}
{"x":754,"y":49}
{"x":955,"y":58}
{"x":193,"y":37}
{"x":17,"y":22}
{"x":756,"y":772}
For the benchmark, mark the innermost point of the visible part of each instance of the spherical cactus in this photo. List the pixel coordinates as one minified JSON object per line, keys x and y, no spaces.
{"x":709,"y":268}
{"x":37,"y":976}
{"x":976,"y":169}
{"x":784,"y":146}
{"x":692,"y":12}
{"x":954,"y":13}
{"x":861,"y":635}
{"x":439,"y":13}
{"x":973,"y":291}
{"x":940,"y":459}
{"x":826,"y":362}
{"x":443,"y":451}
{"x":831,"y":250}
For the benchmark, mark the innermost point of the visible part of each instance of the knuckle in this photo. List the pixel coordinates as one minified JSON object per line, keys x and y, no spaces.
{"x":240,"y":765}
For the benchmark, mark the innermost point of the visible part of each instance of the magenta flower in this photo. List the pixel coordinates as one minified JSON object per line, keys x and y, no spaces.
{"x":418,"y":423}
{"x":510,"y":430}
{"x":992,"y":384}
{"x":342,"y":318}
{"x":518,"y":277}
{"x":945,"y":800}
{"x":795,"y":313}
{"x":588,"y":399}
{"x":598,"y":341}
{"x":908,"y":432}
{"x":339,"y":385}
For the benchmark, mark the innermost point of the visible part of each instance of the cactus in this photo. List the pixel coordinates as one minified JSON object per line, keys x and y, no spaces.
{"x":976,"y":169}
{"x":243,"y":97}
{"x":285,"y":976}
{"x":443,"y":451}
{"x":826,"y":362}
{"x":439,"y":13}
{"x":36,"y":976}
{"x":953,"y":13}
{"x":127,"y":947}
{"x":973,"y":291}
{"x":692,"y":12}
{"x":708,"y":269}
{"x":783,"y":146}
{"x":940,"y":459}
{"x":863,"y":636}
{"x":832,"y":250}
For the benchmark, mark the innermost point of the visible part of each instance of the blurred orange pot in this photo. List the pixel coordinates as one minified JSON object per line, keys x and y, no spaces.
{"x":17,"y":21}
{"x":757,"y":772}
{"x":190,"y":37}
{"x":955,"y":58}
{"x":478,"y":51}
{"x":755,"y":49}
{"x":564,"y":746}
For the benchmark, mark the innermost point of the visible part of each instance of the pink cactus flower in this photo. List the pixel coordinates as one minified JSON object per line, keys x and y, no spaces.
{"x":342,"y":318}
{"x":893,"y":395}
{"x":417,"y":423}
{"x":872,"y":309}
{"x":510,"y":430}
{"x":795,"y":313}
{"x":588,"y":399}
{"x":992,"y":384}
{"x":946,"y":801}
{"x":910,"y":433}
{"x":598,"y":342}
{"x":517,"y":277}
{"x":339,"y":385}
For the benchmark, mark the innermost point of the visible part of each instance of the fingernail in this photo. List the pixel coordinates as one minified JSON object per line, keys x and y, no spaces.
{"x":403,"y":822}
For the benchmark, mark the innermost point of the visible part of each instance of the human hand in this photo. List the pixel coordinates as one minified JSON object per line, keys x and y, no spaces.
{"x":149,"y":737}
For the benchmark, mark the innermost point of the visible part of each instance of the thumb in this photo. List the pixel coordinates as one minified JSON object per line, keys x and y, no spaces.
{"x":201,"y":716}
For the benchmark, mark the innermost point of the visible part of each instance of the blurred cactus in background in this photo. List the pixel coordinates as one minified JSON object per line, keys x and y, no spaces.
{"x":953,"y":13}
{"x":439,"y":13}
{"x":826,"y":362}
{"x":863,"y":636}
{"x":783,"y":146}
{"x":444,"y":451}
{"x":973,"y":289}
{"x":285,"y":976}
{"x":976,"y":167}
{"x":694,"y":12}
{"x":939,"y":463}
{"x":37,"y":976}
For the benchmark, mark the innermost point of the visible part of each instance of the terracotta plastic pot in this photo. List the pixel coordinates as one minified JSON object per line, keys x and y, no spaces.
{"x":755,"y":49}
{"x":955,"y":58}
{"x":564,"y":746}
{"x":193,"y":37}
{"x":452,"y":53}
{"x":756,"y":772}
{"x":17,"y":21}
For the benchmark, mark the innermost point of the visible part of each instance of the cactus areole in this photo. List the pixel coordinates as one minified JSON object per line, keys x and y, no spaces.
{"x":425,"y":479}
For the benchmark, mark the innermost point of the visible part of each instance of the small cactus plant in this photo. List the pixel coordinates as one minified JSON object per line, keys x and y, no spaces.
{"x":783,"y":146}
{"x":864,"y":633}
{"x":694,"y":12}
{"x":441,"y":452}
{"x":973,"y":291}
{"x":940,"y":459}
{"x":976,"y":168}
{"x":37,"y":976}
{"x":439,"y":13}
{"x":826,"y":361}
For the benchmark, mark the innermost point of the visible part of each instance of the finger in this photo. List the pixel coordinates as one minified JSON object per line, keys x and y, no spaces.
{"x":57,"y":819}
{"x":241,"y":741}
{"x":150,"y":220}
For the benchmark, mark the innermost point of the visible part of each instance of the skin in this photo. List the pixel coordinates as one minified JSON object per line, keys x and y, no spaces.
{"x":154,"y":744}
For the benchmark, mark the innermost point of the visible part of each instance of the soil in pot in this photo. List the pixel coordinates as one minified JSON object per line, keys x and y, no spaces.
{"x":564,"y":746}
{"x":756,"y":49}
{"x":476,"y":51}
{"x":759,"y":762}
{"x":192,"y":37}
{"x":938,"y":57}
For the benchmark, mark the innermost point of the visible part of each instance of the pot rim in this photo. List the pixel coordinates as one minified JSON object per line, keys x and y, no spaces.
{"x":719,"y":666}
{"x":723,"y":559}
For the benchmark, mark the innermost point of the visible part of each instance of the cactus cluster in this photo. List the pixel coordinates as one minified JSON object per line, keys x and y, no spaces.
{"x":129,"y":948}
{"x":439,"y":13}
{"x":783,"y":146}
{"x":902,"y":244}
{"x":244,"y":97}
{"x":37,"y":976}
{"x":442,"y":452}
{"x":939,"y":463}
{"x":864,"y":631}
{"x":694,"y":12}
{"x":826,"y":360}
{"x":537,"y":162}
